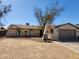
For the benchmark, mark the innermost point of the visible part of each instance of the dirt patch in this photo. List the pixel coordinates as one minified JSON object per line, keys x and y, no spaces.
{"x":33,"y":48}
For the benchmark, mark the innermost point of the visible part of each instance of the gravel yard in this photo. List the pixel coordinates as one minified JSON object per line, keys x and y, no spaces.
{"x":33,"y":48}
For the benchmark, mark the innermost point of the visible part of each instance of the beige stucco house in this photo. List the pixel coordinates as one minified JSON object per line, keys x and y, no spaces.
{"x":64,"y":32}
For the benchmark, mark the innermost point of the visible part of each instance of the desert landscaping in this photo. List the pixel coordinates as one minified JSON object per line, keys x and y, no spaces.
{"x":33,"y":48}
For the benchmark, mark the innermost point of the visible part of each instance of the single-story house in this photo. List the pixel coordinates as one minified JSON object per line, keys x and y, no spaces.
{"x":66,"y":32}
{"x":23,"y":31}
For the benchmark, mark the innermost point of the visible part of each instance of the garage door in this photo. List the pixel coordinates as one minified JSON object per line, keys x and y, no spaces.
{"x":67,"y":35}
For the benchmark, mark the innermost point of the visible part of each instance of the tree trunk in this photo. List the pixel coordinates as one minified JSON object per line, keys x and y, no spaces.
{"x":45,"y":33}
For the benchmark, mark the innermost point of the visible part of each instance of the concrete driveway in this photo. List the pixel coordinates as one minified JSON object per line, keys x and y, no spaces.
{"x":74,"y":46}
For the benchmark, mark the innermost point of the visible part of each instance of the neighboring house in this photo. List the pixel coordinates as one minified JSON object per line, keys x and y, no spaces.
{"x":66,"y":32}
{"x":3,"y":31}
{"x":23,"y":31}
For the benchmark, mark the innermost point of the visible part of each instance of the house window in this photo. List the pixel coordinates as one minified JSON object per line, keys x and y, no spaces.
{"x":25,"y":31}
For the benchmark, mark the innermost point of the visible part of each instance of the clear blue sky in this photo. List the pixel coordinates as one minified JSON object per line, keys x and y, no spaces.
{"x":23,"y":11}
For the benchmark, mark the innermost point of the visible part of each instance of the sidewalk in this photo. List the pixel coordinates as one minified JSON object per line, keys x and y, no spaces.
{"x":74,"y":46}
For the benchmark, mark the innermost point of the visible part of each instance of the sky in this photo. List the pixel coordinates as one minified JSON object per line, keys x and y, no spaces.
{"x":22,"y":11}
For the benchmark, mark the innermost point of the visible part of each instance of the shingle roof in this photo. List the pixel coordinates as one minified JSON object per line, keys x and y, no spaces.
{"x":66,"y":24}
{"x":37,"y":27}
{"x":23,"y":26}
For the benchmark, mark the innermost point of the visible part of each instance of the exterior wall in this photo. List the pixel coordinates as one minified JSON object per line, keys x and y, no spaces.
{"x":56,"y":33}
{"x":22,"y":33}
{"x":11,"y":32}
{"x":77,"y":33}
{"x":35,"y":33}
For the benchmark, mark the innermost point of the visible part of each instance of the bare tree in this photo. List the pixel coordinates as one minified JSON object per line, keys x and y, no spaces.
{"x":4,"y":9}
{"x":48,"y":17}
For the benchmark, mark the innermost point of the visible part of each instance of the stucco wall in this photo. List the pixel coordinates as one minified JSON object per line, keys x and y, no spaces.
{"x":77,"y":33}
{"x":30,"y":33}
{"x":56,"y":34}
{"x":35,"y":33}
{"x":11,"y":32}
{"x":22,"y":33}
